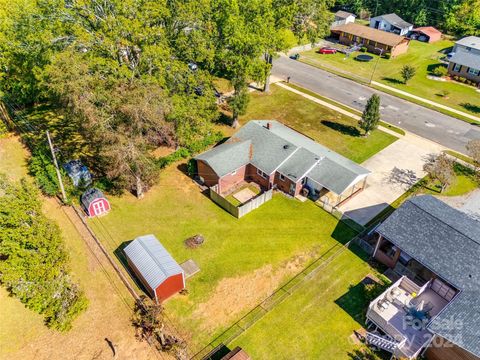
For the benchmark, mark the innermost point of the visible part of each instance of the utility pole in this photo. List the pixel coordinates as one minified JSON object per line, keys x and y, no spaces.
{"x":376,"y":63}
{"x":64,"y":196}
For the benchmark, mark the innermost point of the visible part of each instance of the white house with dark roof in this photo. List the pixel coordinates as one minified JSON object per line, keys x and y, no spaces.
{"x":391,"y":23}
{"x":274,"y":155}
{"x":434,"y":306}
{"x":465,"y":59}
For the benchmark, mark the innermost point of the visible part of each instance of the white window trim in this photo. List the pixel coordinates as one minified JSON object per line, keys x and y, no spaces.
{"x":262,"y":174}
{"x":475,"y":72}
{"x":234,"y":172}
{"x":457,"y":67}
{"x":281,"y":177}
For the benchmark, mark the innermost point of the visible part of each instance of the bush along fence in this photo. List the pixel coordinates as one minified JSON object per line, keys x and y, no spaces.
{"x":241,"y":210}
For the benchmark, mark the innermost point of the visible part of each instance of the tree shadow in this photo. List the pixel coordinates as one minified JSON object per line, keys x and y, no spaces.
{"x":344,"y":129}
{"x":404,"y":177}
{"x":224,"y":119}
{"x":393,"y":81}
{"x":471,"y":107}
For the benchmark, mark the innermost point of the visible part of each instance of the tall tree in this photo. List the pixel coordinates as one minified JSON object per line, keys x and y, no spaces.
{"x":440,"y":168}
{"x":371,"y":114}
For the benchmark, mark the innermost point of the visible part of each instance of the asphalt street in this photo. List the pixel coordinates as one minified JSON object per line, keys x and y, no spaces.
{"x":443,"y":129}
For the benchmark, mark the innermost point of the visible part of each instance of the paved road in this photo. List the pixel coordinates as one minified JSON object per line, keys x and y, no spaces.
{"x":430,"y":124}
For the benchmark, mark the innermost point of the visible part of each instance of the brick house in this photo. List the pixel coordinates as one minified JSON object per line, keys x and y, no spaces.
{"x":374,"y":40}
{"x":274,"y":155}
{"x":465,"y":61}
{"x":434,"y":307}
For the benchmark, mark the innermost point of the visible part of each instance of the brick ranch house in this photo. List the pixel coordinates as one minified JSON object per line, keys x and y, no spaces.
{"x":372,"y":39}
{"x":465,"y":61}
{"x":434,"y":307}
{"x":274,"y":155}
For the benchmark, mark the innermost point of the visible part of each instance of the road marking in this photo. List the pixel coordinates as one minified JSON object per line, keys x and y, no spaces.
{"x":362,"y":98}
{"x":393,"y":107}
{"x":430,"y":125}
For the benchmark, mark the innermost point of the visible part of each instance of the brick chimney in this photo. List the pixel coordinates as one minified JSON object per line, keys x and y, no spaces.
{"x":269,"y":125}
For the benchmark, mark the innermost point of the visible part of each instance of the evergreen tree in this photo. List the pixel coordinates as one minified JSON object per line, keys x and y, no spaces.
{"x":371,"y":114}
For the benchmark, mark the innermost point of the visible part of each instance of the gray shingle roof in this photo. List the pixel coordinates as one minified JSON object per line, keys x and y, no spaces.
{"x":227,"y":157}
{"x":448,"y":242}
{"x":470,"y":41}
{"x":152,"y":260}
{"x":282,"y":149}
{"x":343,"y":14}
{"x":466,"y":58}
{"x":395,"y":20}
{"x":90,"y":195}
{"x":298,"y":164}
{"x":333,"y":176}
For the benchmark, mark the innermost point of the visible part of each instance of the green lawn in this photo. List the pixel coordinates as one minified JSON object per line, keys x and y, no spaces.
{"x":234,"y":201}
{"x":242,"y":260}
{"x":424,"y":57}
{"x":338,"y":132}
{"x":318,"y":320}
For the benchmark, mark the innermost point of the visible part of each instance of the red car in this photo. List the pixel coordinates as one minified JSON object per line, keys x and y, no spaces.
{"x":327,"y":50}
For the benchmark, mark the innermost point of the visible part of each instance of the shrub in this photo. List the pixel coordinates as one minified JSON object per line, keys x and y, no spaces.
{"x":387,"y":56}
{"x":440,"y":71}
{"x":34,"y":266}
{"x":3,"y":128}
{"x":191,"y":167}
{"x":462,"y":79}
{"x":42,"y":169}
{"x":363,"y":49}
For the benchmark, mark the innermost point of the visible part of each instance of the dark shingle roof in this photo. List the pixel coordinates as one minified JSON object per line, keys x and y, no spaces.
{"x":90,"y":195}
{"x":446,"y":241}
{"x":395,"y":20}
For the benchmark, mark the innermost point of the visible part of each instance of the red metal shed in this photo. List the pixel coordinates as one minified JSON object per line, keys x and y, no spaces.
{"x":155,"y":267}
{"x":94,"y":202}
{"x":428,"y":32}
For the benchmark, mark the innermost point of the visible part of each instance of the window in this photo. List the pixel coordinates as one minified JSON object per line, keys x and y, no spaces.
{"x":234,"y":172}
{"x":281,"y":177}
{"x":98,"y":208}
{"x":262,"y":174}
{"x":304,"y":180}
{"x":457,"y":67}
{"x":473,"y":71}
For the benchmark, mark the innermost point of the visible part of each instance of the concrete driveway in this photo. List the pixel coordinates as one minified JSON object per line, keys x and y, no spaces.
{"x":394,"y":170}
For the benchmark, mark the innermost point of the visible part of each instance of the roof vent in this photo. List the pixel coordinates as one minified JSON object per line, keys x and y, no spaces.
{"x":286,"y":146}
{"x":269,"y":125}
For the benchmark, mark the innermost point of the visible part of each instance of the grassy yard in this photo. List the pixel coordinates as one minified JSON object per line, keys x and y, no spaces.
{"x":338,"y":132}
{"x":317,"y":321}
{"x":424,"y":57}
{"x":242,"y":260}
{"x":22,"y":332}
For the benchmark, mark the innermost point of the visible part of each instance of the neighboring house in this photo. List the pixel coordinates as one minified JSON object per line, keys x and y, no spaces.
{"x":426,"y":34}
{"x":465,"y":59}
{"x":343,"y":17}
{"x":374,"y":40}
{"x":155,"y":267}
{"x":434,"y":308}
{"x":391,"y":23}
{"x":276,"y":156}
{"x":94,"y":203}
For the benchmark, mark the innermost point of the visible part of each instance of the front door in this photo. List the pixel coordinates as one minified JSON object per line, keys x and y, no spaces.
{"x":292,"y":189}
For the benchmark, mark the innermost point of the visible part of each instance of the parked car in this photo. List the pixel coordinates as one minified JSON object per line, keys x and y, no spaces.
{"x":327,"y":50}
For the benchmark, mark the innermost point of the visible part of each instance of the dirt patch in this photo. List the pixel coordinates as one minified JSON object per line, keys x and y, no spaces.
{"x":233,"y":296}
{"x":162,"y":151}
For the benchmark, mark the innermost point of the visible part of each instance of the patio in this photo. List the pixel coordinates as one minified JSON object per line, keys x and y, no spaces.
{"x":242,"y":193}
{"x":403,"y":312}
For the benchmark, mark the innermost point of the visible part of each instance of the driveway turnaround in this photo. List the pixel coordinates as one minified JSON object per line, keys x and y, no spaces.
{"x":394,"y":170}
{"x":430,"y":124}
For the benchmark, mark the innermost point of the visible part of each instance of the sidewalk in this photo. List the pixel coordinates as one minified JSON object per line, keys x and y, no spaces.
{"x":429,"y":102}
{"x":331,"y":106}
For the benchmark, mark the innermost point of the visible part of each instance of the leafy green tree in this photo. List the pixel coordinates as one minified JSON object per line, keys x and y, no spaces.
{"x":371,"y":114}
{"x":407,"y":72}
{"x":34,"y":264}
{"x":239,"y":104}
{"x":440,"y":168}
